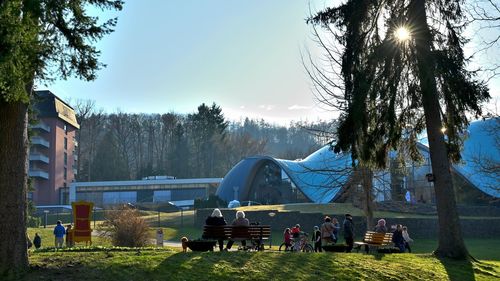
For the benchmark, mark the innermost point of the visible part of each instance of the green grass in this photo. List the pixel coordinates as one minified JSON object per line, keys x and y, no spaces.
{"x":108,"y":263}
{"x":171,"y":265}
{"x":339,"y":209}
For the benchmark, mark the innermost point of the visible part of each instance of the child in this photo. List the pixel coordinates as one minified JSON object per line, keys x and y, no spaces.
{"x":69,"y":236}
{"x":407,"y":238}
{"x":316,"y":239}
{"x":37,"y":241}
{"x":296,"y":231}
{"x":288,"y":238}
{"x":296,"y":236}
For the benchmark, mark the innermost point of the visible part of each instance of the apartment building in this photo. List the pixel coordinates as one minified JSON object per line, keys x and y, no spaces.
{"x":52,"y":158}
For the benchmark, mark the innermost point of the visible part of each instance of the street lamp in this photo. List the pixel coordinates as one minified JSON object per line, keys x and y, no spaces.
{"x":181,"y":209}
{"x":46,"y":212}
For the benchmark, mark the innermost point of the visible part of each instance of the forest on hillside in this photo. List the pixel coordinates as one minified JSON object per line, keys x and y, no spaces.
{"x":125,"y":146}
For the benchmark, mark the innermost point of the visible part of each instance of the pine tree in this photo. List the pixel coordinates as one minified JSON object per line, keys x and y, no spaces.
{"x":388,"y":81}
{"x":39,"y":40}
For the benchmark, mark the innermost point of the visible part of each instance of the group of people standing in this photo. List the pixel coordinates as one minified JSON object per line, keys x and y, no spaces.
{"x":328,"y":232}
{"x":60,"y":232}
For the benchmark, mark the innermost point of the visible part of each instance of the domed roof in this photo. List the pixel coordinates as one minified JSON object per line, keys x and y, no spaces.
{"x":481,"y":156}
{"x":319,"y":177}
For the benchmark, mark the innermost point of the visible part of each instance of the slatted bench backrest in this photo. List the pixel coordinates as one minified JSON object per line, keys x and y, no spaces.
{"x":376,"y":238}
{"x":227,"y":232}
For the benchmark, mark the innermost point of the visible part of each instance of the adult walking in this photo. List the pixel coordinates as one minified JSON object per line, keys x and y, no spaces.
{"x":348,"y":232}
{"x":336,"y":228}
{"x":59,"y":232}
{"x":327,"y":229}
{"x":216,"y":219}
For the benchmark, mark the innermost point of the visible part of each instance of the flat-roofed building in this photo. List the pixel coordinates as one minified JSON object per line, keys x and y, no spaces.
{"x":181,"y":192}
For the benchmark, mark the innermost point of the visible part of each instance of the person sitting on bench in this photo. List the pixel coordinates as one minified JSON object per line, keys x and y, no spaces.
{"x":217,"y":219}
{"x":240,"y":220}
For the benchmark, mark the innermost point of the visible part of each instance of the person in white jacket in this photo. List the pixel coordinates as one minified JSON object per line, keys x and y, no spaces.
{"x":407,"y":238}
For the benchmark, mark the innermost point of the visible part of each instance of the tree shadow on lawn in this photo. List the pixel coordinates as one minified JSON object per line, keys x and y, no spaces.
{"x":458,"y":270}
{"x":203,"y":265}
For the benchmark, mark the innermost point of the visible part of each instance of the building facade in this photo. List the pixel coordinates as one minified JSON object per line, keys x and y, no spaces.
{"x":181,"y":192}
{"x":325,"y":176}
{"x":52,"y":158}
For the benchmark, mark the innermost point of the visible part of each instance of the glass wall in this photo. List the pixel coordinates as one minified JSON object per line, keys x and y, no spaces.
{"x":109,"y":198}
{"x":162,"y":196}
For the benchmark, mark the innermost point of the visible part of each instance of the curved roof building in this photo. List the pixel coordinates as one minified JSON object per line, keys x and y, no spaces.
{"x":317,"y":178}
{"x":322,"y":175}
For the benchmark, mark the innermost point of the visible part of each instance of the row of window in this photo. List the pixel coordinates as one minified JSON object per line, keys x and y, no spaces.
{"x":118,"y":197}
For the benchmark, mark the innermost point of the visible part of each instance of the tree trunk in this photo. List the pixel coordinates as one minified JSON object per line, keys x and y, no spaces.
{"x":13,"y":186}
{"x":367,"y":181}
{"x":451,"y":243}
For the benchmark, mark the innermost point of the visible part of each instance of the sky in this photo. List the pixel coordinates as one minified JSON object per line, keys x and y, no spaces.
{"x":173,"y":55}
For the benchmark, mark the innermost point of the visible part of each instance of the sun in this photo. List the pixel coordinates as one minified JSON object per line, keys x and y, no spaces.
{"x":402,"y":34}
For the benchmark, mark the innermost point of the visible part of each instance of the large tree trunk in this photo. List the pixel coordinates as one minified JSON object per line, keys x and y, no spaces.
{"x":367,"y":182}
{"x":451,"y":243}
{"x":13,"y":186}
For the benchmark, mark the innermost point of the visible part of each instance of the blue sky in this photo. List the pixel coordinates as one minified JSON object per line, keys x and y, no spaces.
{"x":173,"y":55}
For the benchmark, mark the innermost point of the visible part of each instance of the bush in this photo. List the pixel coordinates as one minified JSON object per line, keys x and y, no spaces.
{"x":126,"y":228}
{"x":213,"y":201}
{"x":33,"y":221}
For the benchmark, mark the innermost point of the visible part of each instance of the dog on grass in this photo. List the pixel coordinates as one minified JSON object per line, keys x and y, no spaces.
{"x":184,"y":241}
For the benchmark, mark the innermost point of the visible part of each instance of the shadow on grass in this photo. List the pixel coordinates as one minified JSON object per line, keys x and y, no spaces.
{"x":202,"y":266}
{"x":458,"y":270}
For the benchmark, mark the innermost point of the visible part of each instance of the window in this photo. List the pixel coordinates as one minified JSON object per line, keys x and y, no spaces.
{"x":119,"y":197}
{"x":65,"y":129}
{"x":162,"y":196}
{"x":65,"y":143}
{"x":65,"y":173}
{"x":65,"y":158}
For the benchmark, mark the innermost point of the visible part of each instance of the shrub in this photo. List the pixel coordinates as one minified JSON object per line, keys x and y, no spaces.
{"x":213,"y":201}
{"x":33,"y":221}
{"x":126,"y":228}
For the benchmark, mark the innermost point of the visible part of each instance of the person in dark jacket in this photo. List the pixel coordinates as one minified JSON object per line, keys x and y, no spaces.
{"x":348,"y":232}
{"x":316,"y":239}
{"x":37,"y":241}
{"x":217,"y":219}
{"x":398,"y":239}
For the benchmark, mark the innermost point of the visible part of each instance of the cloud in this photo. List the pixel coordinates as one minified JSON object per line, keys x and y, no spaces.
{"x":242,"y":107}
{"x":298,"y":107}
{"x":267,"y":107}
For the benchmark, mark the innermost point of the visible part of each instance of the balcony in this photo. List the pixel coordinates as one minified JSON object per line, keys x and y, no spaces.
{"x":41,"y":126}
{"x":39,"y":157}
{"x":40,"y":141}
{"x":38,"y":174}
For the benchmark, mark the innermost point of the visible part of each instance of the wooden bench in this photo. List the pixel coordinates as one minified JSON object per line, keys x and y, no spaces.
{"x":374,"y":240}
{"x":255,"y":233}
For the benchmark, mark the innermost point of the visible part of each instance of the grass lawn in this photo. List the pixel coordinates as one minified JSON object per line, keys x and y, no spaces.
{"x":173,"y":265}
{"x":170,"y":264}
